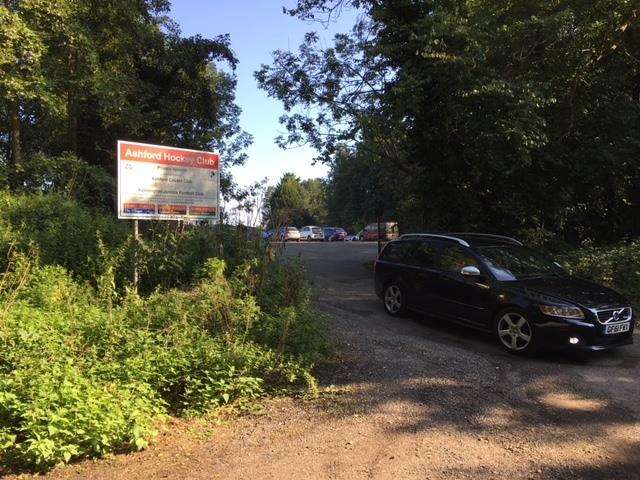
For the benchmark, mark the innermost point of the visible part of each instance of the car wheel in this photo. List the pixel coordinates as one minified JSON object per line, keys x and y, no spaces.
{"x":394,"y":300}
{"x":515,"y":332}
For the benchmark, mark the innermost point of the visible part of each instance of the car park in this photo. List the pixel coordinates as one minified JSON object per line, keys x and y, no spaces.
{"x":311,"y":233}
{"x":334,"y":234}
{"x":494,"y":283}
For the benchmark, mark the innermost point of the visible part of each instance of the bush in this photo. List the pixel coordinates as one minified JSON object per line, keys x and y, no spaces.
{"x":82,"y":376}
{"x":67,"y":175}
{"x":59,"y":229}
{"x":87,"y":243}
{"x":87,"y":366}
{"x":616,"y":266}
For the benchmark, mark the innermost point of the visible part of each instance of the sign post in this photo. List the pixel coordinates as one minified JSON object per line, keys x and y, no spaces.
{"x":166,"y":183}
{"x":136,"y":238}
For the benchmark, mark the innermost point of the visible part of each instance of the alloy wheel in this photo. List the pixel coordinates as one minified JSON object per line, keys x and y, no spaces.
{"x":514,"y":331}
{"x":393,"y":299}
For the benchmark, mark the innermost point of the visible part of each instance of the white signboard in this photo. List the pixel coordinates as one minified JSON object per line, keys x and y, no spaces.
{"x":167,"y":183}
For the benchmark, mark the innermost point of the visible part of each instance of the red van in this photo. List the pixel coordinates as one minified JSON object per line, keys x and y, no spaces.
{"x":388,"y":232}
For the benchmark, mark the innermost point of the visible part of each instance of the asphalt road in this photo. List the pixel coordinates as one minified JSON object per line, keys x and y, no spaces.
{"x":412,"y":399}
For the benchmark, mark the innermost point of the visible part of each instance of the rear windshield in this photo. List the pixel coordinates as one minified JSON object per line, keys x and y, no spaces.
{"x":292,"y":229}
{"x":316,"y":230}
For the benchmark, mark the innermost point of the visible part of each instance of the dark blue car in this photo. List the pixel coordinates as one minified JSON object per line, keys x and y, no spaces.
{"x":334,"y":234}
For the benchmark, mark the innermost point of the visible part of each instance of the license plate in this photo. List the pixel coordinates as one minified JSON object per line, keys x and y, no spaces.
{"x":617,"y":328}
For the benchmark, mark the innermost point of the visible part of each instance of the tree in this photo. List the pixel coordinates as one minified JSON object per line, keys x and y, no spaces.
{"x":495,"y":115}
{"x":295,"y":202}
{"x":75,"y":76}
{"x":21,"y":77}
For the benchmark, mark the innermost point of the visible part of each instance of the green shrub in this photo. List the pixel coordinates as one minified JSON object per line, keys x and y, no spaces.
{"x":81,"y":375}
{"x":616,"y":266}
{"x":67,"y":175}
{"x":61,"y":231}
{"x":88,"y":366}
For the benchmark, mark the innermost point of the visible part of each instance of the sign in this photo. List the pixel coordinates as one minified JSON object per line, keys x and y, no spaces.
{"x":167,"y":183}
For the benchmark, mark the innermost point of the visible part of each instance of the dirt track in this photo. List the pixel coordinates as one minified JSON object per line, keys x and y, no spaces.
{"x":414,"y":398}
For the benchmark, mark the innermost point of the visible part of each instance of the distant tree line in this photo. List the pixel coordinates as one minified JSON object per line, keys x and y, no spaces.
{"x":492,"y":115}
{"x":295,"y":202}
{"x":76,"y":75}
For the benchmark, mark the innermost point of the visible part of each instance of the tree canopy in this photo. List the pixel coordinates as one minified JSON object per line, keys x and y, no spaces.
{"x":295,"y":202}
{"x":480,"y":114}
{"x":75,"y":76}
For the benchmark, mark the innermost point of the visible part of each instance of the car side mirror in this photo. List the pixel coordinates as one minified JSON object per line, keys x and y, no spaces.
{"x":470,"y":271}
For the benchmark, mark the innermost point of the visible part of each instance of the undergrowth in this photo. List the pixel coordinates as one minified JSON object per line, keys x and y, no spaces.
{"x":88,"y":366}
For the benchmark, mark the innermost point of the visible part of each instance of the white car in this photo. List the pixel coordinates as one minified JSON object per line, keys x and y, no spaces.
{"x":290,"y":234}
{"x":311,"y":233}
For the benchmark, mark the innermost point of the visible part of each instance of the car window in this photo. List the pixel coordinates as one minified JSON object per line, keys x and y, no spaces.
{"x":452,"y":258}
{"x":515,"y":262}
{"x":424,"y":254}
{"x":394,"y":252}
{"x":441,"y":256}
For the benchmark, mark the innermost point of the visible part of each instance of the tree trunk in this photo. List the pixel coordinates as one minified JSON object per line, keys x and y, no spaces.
{"x":72,"y":105}
{"x":15,"y":161}
{"x":72,"y":113}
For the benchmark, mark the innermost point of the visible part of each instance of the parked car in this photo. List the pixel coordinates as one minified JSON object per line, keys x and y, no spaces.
{"x":388,"y":231}
{"x":268,"y":234}
{"x":334,"y":234}
{"x":497,"y":284}
{"x":288,"y":234}
{"x":311,"y":233}
{"x":352,"y":238}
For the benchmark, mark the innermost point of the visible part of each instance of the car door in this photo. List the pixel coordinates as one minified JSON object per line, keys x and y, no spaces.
{"x":464,"y":298}
{"x":425,"y":277}
{"x":392,"y":266}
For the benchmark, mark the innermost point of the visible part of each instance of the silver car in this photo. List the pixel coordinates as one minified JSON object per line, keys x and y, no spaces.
{"x":311,"y":233}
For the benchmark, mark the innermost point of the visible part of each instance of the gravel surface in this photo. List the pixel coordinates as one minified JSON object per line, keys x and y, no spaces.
{"x":413,"y":398}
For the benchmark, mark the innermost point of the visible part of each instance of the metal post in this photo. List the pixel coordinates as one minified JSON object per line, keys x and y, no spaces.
{"x":136,"y":237}
{"x":379,"y":240}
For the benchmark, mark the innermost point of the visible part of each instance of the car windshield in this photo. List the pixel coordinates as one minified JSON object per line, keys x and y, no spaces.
{"x":292,"y":229}
{"x":316,"y":230}
{"x":514,"y":262}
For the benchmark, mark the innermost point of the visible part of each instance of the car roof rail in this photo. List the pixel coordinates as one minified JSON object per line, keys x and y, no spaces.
{"x":501,"y":237}
{"x":434,"y":235}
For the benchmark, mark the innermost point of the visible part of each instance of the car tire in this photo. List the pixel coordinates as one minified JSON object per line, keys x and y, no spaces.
{"x":394,"y":300}
{"x":515,"y":332}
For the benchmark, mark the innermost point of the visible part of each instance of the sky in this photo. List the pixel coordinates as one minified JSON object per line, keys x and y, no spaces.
{"x":257,"y":28}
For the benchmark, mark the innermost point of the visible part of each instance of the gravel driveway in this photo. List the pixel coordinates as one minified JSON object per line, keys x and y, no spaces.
{"x":416,"y":398}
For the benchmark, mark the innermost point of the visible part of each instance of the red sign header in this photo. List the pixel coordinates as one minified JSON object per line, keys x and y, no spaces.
{"x":177,"y":157}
